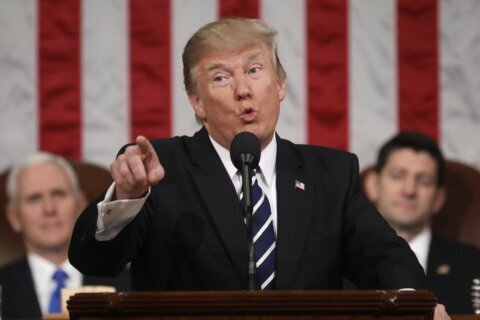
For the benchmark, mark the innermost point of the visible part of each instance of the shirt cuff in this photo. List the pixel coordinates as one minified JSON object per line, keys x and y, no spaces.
{"x":113,"y":216}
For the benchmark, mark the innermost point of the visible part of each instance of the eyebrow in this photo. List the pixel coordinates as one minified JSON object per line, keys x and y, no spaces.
{"x":250,"y":57}
{"x":32,"y":196}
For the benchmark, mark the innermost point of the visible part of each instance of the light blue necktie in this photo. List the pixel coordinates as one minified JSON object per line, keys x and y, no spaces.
{"x":263,"y":236}
{"x":55,"y":300}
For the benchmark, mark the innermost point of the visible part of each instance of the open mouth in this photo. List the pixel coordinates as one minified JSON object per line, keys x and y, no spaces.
{"x":249,"y":114}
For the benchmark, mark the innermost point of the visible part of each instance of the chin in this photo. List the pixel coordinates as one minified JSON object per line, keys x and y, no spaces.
{"x":56,"y":243}
{"x":409,"y":224}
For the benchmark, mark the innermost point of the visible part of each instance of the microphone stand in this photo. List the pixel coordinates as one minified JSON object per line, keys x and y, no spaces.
{"x":248,"y":207}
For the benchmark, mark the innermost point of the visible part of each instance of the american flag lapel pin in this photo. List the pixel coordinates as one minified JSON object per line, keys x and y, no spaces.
{"x":299,"y":185}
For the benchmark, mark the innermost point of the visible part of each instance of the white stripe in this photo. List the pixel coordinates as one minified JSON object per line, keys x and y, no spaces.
{"x":265,"y":255}
{"x":254,"y":179}
{"x":187,"y":17}
{"x":262,"y":229}
{"x":259,"y":203}
{"x":105,"y":81}
{"x":268,"y":280}
{"x":460,"y":80}
{"x":372,"y":76}
{"x":18,"y":80}
{"x":288,"y":18}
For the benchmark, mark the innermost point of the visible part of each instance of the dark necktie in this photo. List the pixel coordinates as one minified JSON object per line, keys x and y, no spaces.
{"x":55,"y":305}
{"x":263,"y":236}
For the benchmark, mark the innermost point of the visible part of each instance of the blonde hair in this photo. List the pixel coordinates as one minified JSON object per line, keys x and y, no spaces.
{"x":35,"y":159}
{"x":229,"y":34}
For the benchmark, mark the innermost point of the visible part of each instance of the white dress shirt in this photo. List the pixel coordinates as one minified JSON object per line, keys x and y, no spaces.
{"x":420,"y":245}
{"x":113,"y":216}
{"x":267,"y":176}
{"x":42,"y":272}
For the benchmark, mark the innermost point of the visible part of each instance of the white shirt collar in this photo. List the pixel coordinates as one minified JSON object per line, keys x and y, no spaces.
{"x":267,"y":160}
{"x":420,"y":245}
{"x":42,"y":272}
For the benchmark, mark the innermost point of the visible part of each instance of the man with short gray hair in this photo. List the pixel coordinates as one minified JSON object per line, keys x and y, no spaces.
{"x":44,"y":201}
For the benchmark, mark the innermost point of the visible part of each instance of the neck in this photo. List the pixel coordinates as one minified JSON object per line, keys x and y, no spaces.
{"x":57,"y":257}
{"x":264,"y":144}
{"x":410,"y":233}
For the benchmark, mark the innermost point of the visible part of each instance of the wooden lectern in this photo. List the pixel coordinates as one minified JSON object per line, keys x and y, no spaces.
{"x":253,"y":305}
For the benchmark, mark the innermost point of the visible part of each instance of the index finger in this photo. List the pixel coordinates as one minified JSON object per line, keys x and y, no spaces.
{"x":145,"y":146}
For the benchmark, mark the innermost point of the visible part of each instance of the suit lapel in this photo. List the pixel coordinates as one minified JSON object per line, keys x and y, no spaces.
{"x":439,"y":267}
{"x":27,"y":298}
{"x":212,"y":180}
{"x":294,"y":206}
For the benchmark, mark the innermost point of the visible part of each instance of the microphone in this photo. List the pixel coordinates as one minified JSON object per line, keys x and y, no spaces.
{"x":245,"y":155}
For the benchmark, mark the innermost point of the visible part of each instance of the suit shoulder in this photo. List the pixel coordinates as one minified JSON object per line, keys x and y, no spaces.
{"x":462,"y":251}
{"x":327,"y":164}
{"x":158,"y":143}
{"x":173,"y":149}
{"x":168,"y":143}
{"x":13,"y":270}
{"x":323,"y":154}
{"x":444,"y":242}
{"x":162,"y":145}
{"x":325,"y":151}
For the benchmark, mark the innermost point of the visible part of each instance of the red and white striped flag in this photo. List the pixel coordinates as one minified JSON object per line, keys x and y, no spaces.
{"x":83,"y":77}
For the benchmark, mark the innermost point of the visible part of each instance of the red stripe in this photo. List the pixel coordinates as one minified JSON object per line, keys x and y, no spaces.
{"x":59,"y":77}
{"x":418,"y":66}
{"x":150,"y":70}
{"x":239,"y":8}
{"x":327,"y":73}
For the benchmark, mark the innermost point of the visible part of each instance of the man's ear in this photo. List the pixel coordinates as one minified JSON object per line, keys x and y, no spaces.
{"x":282,"y":90}
{"x":82,"y":201}
{"x":440,"y":199}
{"x":197,"y":106}
{"x":13,"y":218}
{"x":371,"y":186}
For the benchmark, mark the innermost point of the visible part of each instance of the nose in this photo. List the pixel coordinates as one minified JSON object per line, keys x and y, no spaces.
{"x":48,"y":206}
{"x":410,"y":186}
{"x":243,"y":89}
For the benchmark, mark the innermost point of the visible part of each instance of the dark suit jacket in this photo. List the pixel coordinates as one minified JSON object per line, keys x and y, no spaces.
{"x":190,"y":234}
{"x":450,"y":270}
{"x":19,"y":296}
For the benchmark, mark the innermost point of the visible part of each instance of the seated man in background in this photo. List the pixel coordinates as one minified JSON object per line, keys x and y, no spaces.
{"x":407,"y":188}
{"x":44,"y":201}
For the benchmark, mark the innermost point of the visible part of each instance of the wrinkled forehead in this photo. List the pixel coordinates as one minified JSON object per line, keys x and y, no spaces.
{"x":256,"y":52}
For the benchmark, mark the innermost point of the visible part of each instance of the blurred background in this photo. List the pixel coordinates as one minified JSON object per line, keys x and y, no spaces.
{"x":80,"y":78}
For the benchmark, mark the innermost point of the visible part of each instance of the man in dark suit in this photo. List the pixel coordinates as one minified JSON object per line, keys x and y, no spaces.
{"x":407,"y":188}
{"x":44,"y":200}
{"x":174,"y":208}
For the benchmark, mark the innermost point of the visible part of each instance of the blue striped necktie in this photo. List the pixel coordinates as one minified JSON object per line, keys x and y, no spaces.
{"x":263,"y":236}
{"x":55,"y":305}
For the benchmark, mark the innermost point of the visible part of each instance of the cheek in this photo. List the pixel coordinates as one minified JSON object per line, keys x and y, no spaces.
{"x":67,"y":209}
{"x":387,"y":198}
{"x":32,"y":218}
{"x":383,"y":201}
{"x":386,"y":190}
{"x":217,"y":107}
{"x":428,"y":199}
